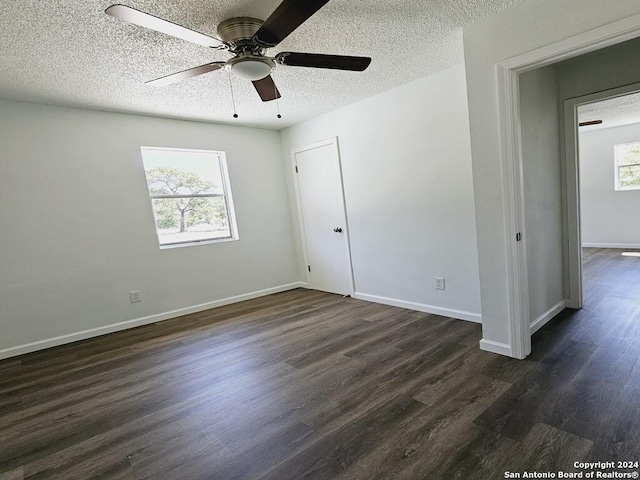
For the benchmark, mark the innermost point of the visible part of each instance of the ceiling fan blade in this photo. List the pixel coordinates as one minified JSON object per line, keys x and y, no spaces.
{"x":266,"y":88}
{"x":163,"y":26}
{"x":318,"y":60}
{"x":289,"y":15}
{"x":591,"y":122}
{"x":183,"y":75}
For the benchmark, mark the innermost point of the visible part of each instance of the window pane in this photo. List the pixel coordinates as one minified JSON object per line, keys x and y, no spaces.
{"x":628,"y":154}
{"x":191,"y":177}
{"x":182,"y":172}
{"x":629,"y":177}
{"x":190,"y":219}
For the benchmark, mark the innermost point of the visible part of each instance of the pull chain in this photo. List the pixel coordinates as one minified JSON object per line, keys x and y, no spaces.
{"x":233,"y":100}
{"x":275,"y":92}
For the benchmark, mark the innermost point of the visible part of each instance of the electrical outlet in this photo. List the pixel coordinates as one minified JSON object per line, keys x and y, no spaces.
{"x":135,"y":296}
{"x":440,"y":285}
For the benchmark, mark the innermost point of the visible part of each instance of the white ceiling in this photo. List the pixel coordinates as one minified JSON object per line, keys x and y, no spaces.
{"x":68,"y":52}
{"x":614,"y":112}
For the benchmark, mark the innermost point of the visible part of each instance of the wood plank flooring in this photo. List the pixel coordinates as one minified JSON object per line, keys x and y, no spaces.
{"x":308,"y":385}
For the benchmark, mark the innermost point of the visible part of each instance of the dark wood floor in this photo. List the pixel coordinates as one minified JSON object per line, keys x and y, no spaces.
{"x":307,"y":385}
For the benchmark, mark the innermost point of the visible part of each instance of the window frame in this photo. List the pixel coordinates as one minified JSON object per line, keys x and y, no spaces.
{"x":616,"y":164}
{"x":225,"y":195}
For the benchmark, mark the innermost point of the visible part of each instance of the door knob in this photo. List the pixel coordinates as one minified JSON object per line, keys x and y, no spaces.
{"x":337,"y":230}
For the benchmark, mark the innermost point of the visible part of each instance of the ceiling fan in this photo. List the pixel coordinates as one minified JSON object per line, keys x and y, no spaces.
{"x":247,"y":39}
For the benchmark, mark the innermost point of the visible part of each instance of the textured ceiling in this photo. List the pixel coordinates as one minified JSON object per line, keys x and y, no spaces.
{"x":68,"y":52}
{"x":614,"y":112}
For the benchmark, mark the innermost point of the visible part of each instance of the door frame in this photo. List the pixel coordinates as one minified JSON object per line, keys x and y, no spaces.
{"x":572,"y":175}
{"x":332,"y":141}
{"x":511,"y":162}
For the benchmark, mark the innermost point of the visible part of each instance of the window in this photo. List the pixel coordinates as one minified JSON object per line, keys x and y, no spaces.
{"x":627,"y":164}
{"x":190,"y":195}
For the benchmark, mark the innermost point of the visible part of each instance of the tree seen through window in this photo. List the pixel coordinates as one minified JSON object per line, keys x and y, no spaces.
{"x":189,"y":194}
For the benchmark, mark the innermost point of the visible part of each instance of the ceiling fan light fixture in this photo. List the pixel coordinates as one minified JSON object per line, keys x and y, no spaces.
{"x":250,"y":67}
{"x":248,"y":39}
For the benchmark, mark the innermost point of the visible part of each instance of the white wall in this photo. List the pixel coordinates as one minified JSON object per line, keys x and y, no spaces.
{"x":542,"y":192}
{"x":77,"y":232}
{"x":407,"y":179}
{"x":608,"y":217}
{"x":518,"y":29}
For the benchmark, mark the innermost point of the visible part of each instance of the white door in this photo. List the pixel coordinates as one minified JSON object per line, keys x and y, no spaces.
{"x":323,"y":219}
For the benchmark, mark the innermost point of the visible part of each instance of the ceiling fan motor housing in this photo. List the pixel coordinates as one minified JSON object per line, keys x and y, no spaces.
{"x":249,"y":62}
{"x":238,"y":33}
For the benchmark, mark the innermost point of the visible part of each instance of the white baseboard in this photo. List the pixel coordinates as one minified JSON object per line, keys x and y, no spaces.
{"x":496,"y":347}
{"x":137,"y":322}
{"x":541,"y":321}
{"x":611,"y":245}
{"x":421,"y":307}
{"x":537,"y":324}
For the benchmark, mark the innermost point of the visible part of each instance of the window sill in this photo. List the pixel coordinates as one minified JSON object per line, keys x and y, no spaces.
{"x":197,"y":243}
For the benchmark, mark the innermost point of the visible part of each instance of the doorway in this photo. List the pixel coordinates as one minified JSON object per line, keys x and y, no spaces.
{"x":508,"y":73}
{"x":603,"y":158}
{"x":599,"y":182}
{"x":323,"y":219}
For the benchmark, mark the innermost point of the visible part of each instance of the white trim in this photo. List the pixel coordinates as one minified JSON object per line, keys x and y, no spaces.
{"x":421,"y":307}
{"x":612,"y":245}
{"x":196,"y":243}
{"x":303,"y":235}
{"x":511,"y":165}
{"x":571,"y":208}
{"x":495,"y":347}
{"x":601,"y":37}
{"x":511,"y":161}
{"x":137,"y":322}
{"x":542,"y":320}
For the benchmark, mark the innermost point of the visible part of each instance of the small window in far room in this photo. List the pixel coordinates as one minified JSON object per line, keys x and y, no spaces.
{"x":190,"y":195}
{"x":627,"y":166}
